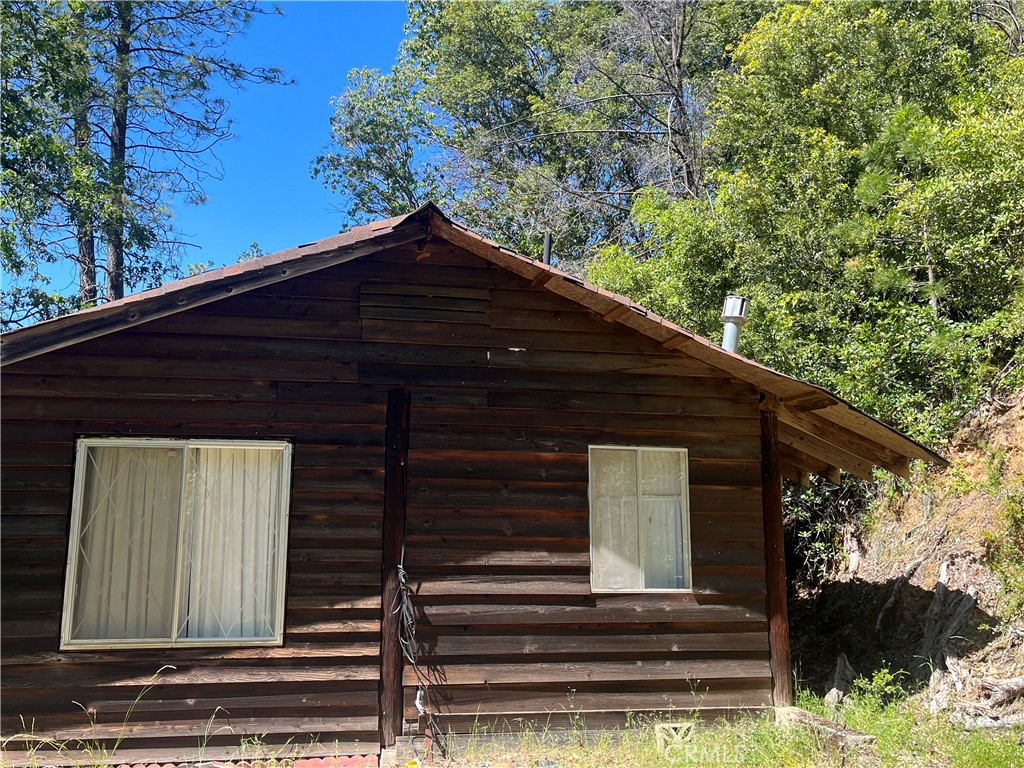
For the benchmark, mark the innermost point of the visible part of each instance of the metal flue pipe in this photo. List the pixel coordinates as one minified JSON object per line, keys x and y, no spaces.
{"x":734,"y":315}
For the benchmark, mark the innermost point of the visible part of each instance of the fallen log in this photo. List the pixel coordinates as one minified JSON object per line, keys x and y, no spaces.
{"x":846,"y":737}
{"x":981,"y":723}
{"x":1003,"y":691}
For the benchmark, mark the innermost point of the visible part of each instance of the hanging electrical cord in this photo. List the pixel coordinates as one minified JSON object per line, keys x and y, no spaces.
{"x":406,"y":615}
{"x":407,"y":639}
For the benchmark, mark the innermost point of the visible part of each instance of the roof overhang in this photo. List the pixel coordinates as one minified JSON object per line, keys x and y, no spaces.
{"x":818,"y":432}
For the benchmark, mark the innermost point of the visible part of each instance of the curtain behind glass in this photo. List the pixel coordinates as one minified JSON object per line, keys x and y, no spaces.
{"x":127,"y":544}
{"x":661,"y":493}
{"x":234,"y":498}
{"x":613,"y":520}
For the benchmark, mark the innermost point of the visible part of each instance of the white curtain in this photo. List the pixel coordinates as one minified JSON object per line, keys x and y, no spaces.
{"x":637,"y":524}
{"x":127,"y":544}
{"x":232,"y":518}
{"x":661,"y":493}
{"x":614,"y":536}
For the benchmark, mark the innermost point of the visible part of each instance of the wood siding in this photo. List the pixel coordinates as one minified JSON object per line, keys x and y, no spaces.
{"x":510,"y":385}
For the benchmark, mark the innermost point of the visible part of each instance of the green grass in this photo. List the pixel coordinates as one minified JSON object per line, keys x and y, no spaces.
{"x":750,"y":742}
{"x":907,"y":736}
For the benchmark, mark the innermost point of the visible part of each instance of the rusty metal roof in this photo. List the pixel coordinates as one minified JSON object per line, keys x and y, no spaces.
{"x":819,"y":431}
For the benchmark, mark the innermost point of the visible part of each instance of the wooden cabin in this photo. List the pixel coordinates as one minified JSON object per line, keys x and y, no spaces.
{"x":209,"y":488}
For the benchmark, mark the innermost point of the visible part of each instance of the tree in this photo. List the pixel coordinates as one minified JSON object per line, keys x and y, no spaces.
{"x":866,"y":163}
{"x":133,"y":118}
{"x":380,"y":132}
{"x":44,"y":70}
{"x":529,"y":117}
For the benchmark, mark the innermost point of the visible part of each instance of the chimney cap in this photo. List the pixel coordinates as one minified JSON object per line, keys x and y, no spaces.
{"x":735,"y":309}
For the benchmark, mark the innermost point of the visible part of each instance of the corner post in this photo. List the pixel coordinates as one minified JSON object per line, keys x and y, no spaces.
{"x":396,"y":457}
{"x":775,"y":561}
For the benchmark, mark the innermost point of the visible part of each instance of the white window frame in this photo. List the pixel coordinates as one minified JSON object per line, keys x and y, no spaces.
{"x":279,"y":566}
{"x":684,"y":525}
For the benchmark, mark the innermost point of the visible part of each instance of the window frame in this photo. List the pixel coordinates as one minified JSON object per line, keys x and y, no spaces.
{"x":278,"y":569}
{"x":684,"y":524}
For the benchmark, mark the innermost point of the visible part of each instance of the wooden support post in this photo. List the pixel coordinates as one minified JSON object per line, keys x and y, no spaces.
{"x":396,"y":456}
{"x":775,"y":562}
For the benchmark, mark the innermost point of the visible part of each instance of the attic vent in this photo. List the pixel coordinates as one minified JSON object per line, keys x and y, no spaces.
{"x":427,"y":303}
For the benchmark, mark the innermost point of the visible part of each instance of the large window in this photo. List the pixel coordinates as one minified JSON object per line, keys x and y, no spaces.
{"x":639,"y":519}
{"x":177,"y":542}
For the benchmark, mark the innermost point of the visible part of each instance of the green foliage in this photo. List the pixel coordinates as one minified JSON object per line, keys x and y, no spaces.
{"x":877,"y":706}
{"x":1005,"y":551}
{"x":979,"y":750}
{"x":376,"y":160}
{"x":109,"y":119}
{"x":198,"y":268}
{"x":254,"y":251}
{"x":679,"y":272}
{"x":908,"y":735}
{"x":865,"y":162}
{"x":41,"y":73}
{"x":496,"y":76}
{"x":530,"y":117}
{"x":816,"y":518}
{"x":881,"y":689}
{"x":867,"y":159}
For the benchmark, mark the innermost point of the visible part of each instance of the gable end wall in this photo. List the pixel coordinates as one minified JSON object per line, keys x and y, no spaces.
{"x":510,"y":385}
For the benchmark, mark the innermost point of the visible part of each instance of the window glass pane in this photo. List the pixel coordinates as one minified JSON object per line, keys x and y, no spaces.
{"x":613,"y":520}
{"x":233,"y":517}
{"x":661,"y":473}
{"x":127,"y":544}
{"x":663,"y":546}
{"x":661,"y":484}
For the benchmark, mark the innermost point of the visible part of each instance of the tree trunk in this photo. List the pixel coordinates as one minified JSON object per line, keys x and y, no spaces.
{"x":81,"y":207}
{"x":85,"y":235}
{"x":115,"y":222}
{"x":842,"y":681}
{"x":884,"y":616}
{"x":86,"y":257}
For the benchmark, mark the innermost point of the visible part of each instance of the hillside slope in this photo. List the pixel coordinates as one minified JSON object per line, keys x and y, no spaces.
{"x":933,"y":586}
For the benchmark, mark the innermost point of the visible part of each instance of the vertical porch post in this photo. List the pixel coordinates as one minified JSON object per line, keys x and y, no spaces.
{"x":396,"y":457}
{"x":775,"y":562}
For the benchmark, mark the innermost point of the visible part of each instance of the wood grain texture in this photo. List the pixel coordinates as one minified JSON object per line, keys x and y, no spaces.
{"x":509,"y":385}
{"x":396,"y":462}
{"x":775,"y":563}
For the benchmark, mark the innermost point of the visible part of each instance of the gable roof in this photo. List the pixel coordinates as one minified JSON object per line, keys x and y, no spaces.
{"x":818,"y":431}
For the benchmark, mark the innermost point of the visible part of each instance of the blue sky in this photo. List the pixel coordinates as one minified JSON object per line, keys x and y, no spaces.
{"x":267,"y":194}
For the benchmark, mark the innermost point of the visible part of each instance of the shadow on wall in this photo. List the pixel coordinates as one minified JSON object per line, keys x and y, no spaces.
{"x":891,"y":624}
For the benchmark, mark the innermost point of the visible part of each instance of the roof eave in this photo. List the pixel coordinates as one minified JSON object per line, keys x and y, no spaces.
{"x":234,"y":279}
{"x":794,"y":395}
{"x":806,"y":411}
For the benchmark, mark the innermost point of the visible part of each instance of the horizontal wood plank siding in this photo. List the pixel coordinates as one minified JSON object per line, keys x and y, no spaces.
{"x":510,"y":386}
{"x":215,"y":372}
{"x":498,"y":550}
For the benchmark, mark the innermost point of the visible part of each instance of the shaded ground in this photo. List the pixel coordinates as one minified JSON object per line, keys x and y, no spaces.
{"x":944,"y":521}
{"x":841,"y":618}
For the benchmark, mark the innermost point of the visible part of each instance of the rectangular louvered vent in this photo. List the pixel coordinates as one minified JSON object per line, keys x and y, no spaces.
{"x":427,"y":303}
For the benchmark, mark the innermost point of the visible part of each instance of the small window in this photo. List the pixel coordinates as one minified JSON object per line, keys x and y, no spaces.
{"x":639,"y":519}
{"x":177,"y":542}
